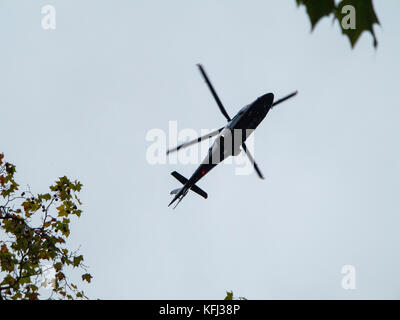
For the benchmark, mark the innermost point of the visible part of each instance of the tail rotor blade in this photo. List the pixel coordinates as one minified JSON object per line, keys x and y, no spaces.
{"x":252,"y":161}
{"x":210,"y":86}
{"x":284,"y":99}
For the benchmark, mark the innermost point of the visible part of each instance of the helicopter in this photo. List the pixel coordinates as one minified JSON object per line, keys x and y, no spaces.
{"x":230,"y":139}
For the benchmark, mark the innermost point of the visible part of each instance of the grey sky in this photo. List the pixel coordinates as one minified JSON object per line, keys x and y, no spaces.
{"x":79,"y":100}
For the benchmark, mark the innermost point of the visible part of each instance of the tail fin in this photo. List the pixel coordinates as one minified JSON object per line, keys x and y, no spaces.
{"x":179,"y":196}
{"x":183,"y":180}
{"x":175,"y":191}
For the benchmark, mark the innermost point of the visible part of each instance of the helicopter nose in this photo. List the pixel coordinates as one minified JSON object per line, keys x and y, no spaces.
{"x":267,"y":99}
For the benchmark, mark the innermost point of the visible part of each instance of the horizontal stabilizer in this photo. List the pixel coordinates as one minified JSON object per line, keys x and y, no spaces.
{"x":179,"y":177}
{"x":183,"y":180}
{"x":199,"y":191}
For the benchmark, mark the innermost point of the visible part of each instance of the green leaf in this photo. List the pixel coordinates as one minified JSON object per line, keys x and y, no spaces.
{"x":229,"y":295}
{"x":365,"y":16}
{"x":77,"y":261}
{"x":34,"y":288}
{"x":46,"y":196}
{"x":87,"y":277}
{"x":61,"y":211}
{"x":365,"y":19}
{"x":17,"y":296}
{"x":77,"y":212}
{"x":8,"y":280}
{"x":58,"y":266}
{"x":25,"y":280}
{"x":316,"y":9}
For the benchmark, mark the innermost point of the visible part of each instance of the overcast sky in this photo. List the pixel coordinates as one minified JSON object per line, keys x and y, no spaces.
{"x":79,"y":101}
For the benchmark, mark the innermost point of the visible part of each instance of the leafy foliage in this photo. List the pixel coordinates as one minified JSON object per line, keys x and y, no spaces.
{"x":229,"y":296}
{"x":35,"y":229}
{"x":365,"y":17}
{"x":364,"y":10}
{"x":316,"y":9}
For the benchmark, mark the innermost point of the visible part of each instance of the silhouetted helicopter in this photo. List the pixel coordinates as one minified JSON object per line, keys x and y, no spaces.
{"x":230,"y":138}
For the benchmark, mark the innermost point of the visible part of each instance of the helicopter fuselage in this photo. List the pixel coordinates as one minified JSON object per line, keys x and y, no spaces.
{"x":228,"y":142}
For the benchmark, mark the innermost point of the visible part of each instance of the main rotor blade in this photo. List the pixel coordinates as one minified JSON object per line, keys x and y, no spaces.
{"x":187,"y":144}
{"x":284,"y":99}
{"x":252,"y":160}
{"x":210,"y":86}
